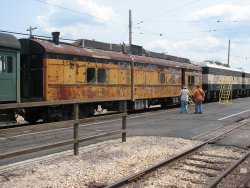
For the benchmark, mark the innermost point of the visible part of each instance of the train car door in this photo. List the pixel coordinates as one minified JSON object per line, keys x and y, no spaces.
{"x":8,"y":76}
{"x":183,"y":81}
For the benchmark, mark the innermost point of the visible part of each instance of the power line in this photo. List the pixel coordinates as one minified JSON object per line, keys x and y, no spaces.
{"x":17,"y":33}
{"x":165,"y":35}
{"x":168,"y":11}
{"x":199,"y":21}
{"x":39,"y":36}
{"x":241,"y":57}
{"x":78,"y":12}
{"x":161,"y":34}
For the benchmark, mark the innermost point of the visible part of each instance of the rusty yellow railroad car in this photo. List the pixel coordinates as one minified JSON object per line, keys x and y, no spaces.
{"x":54,"y":71}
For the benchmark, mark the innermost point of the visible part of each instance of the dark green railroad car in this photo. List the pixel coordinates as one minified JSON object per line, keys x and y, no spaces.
{"x":9,"y":68}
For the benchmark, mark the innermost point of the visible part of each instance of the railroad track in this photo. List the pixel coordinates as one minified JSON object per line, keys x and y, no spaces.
{"x":220,"y":132}
{"x":14,"y":124}
{"x":195,"y":167}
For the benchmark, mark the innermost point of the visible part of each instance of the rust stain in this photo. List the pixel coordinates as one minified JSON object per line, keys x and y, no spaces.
{"x":91,"y":93}
{"x":65,"y":93}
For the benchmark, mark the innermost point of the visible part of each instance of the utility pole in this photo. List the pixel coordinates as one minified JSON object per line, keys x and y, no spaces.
{"x":30,"y":29}
{"x":228,"y":55}
{"x":130,"y":28}
{"x":132,"y":59}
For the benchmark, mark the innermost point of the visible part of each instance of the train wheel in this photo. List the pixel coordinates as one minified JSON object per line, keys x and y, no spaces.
{"x":86,"y":111}
{"x":33,"y":115}
{"x":59,"y":113}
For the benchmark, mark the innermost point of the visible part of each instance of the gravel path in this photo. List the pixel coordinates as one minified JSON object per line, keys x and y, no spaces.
{"x":99,"y":164}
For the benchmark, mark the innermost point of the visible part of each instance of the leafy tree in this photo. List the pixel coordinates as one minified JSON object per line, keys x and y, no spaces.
{"x":217,"y":63}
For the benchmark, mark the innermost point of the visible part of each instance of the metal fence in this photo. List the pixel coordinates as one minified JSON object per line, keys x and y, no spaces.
{"x":76,"y":140}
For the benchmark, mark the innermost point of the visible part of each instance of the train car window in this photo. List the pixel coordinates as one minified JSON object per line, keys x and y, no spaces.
{"x":162,"y":78}
{"x":101,"y":75}
{"x":9,"y":64}
{"x":91,"y":77}
{"x":191,"y":80}
{"x":2,"y":64}
{"x":6,"y":64}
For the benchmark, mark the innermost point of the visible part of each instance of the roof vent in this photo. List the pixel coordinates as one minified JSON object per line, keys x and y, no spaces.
{"x":56,"y":37}
{"x":135,"y":50}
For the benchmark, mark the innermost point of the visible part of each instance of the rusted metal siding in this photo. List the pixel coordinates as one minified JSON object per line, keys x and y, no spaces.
{"x":81,"y":92}
{"x":66,"y":80}
{"x":147,"y":82}
{"x":198,"y":79}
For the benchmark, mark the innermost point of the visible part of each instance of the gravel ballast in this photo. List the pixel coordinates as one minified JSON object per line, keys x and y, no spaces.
{"x":99,"y":164}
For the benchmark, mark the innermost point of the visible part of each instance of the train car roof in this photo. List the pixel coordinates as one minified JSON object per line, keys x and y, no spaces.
{"x":211,"y":65}
{"x":63,"y":48}
{"x":157,"y":61}
{"x":244,"y":70}
{"x":9,"y":41}
{"x":43,"y":46}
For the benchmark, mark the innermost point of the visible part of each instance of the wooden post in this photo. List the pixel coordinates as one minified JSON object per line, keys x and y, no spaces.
{"x":76,"y":129}
{"x":124,"y":128}
{"x":124,"y":120}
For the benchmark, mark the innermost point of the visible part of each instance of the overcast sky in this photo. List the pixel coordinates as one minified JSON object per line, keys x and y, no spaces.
{"x":194,"y":29}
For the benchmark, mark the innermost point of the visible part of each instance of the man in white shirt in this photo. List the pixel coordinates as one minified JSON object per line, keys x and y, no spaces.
{"x":184,"y":99}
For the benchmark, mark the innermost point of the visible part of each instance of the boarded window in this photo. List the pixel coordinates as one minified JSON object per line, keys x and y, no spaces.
{"x":162,"y":78}
{"x":101,"y":75}
{"x":6,"y":64}
{"x":91,"y":77}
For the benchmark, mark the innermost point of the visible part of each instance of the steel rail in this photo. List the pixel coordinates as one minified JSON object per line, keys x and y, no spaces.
{"x":142,"y":173}
{"x":152,"y":168}
{"x":213,"y":140}
{"x":227,"y":171}
{"x":207,"y":132}
{"x":245,"y":181}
